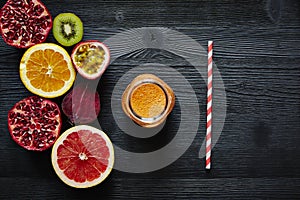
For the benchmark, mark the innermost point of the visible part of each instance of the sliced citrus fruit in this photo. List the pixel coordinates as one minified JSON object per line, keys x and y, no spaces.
{"x":83,"y":156}
{"x":46,"y":70}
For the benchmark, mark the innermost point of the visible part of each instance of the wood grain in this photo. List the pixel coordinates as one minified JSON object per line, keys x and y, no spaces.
{"x":192,"y":188}
{"x":257,"y":51}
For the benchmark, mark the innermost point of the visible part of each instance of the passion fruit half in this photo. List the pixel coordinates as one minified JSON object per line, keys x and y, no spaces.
{"x":90,"y":58}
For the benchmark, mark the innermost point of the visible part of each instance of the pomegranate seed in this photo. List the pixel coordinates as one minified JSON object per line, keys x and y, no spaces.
{"x":26,"y":108}
{"x":44,"y":110}
{"x":38,"y":115}
{"x":5,"y":14}
{"x":33,"y":99}
{"x":44,"y":26}
{"x":38,"y":126}
{"x":42,"y":138}
{"x":56,"y":112}
{"x":22,"y":32}
{"x":18,"y":26}
{"x":30,"y":29}
{"x":12,"y":115}
{"x":4,"y":25}
{"x":53,"y":107}
{"x":17,"y":3}
{"x":23,"y":43}
{"x":24,"y":16}
{"x":11,"y":12}
{"x":49,"y":137}
{"x":16,"y":36}
{"x":34,"y":133}
{"x":52,"y":137}
{"x":41,"y":145}
{"x":27,"y":2}
{"x":10,"y":35}
{"x":26,"y":141}
{"x":20,"y":19}
{"x":16,"y":133}
{"x":39,"y":36}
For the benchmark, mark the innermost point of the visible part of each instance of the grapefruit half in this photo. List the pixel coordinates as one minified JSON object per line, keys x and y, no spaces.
{"x":83,"y":156}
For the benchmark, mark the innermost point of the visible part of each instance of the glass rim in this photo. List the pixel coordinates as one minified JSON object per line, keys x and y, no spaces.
{"x":148,"y":119}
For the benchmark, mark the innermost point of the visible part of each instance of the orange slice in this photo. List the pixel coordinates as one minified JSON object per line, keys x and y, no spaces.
{"x":83,"y":156}
{"x":46,"y":70}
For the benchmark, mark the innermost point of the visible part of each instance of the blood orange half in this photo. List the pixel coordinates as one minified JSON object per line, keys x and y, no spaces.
{"x":83,"y":156}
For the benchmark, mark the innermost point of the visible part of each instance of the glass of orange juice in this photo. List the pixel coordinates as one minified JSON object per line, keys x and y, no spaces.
{"x":148,"y":100}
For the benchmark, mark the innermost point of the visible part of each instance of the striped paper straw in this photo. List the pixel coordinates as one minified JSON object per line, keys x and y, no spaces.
{"x":209,"y":106}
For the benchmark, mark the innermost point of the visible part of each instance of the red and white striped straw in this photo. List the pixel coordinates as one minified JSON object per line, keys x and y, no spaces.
{"x":209,"y":105}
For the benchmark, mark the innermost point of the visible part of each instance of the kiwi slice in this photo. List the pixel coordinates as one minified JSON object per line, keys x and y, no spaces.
{"x":67,"y":29}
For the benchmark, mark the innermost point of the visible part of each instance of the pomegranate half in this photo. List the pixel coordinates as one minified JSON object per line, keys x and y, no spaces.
{"x":34,"y":123}
{"x":91,"y":58}
{"x":24,"y":23}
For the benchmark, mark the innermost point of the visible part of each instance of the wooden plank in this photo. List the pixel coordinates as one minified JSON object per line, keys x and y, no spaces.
{"x":134,"y":188}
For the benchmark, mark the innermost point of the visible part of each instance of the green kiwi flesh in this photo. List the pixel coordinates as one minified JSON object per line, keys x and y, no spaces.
{"x":67,"y":29}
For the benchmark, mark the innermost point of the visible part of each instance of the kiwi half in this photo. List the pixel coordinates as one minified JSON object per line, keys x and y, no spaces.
{"x":67,"y":29}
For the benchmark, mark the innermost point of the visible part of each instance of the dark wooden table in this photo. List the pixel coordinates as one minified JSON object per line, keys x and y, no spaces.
{"x":257,"y":52}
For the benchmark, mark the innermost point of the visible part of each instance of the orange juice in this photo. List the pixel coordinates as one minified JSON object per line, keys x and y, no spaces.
{"x":148,"y":100}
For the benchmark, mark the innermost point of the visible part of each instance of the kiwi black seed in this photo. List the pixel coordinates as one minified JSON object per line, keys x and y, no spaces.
{"x":67,"y":29}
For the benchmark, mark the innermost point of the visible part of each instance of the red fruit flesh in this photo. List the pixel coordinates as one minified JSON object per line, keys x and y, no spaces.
{"x":34,"y":123}
{"x":24,"y":23}
{"x":90,"y":156}
{"x":81,"y":105}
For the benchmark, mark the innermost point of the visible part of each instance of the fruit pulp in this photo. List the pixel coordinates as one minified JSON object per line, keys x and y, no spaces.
{"x":89,"y":58}
{"x":83,"y":156}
